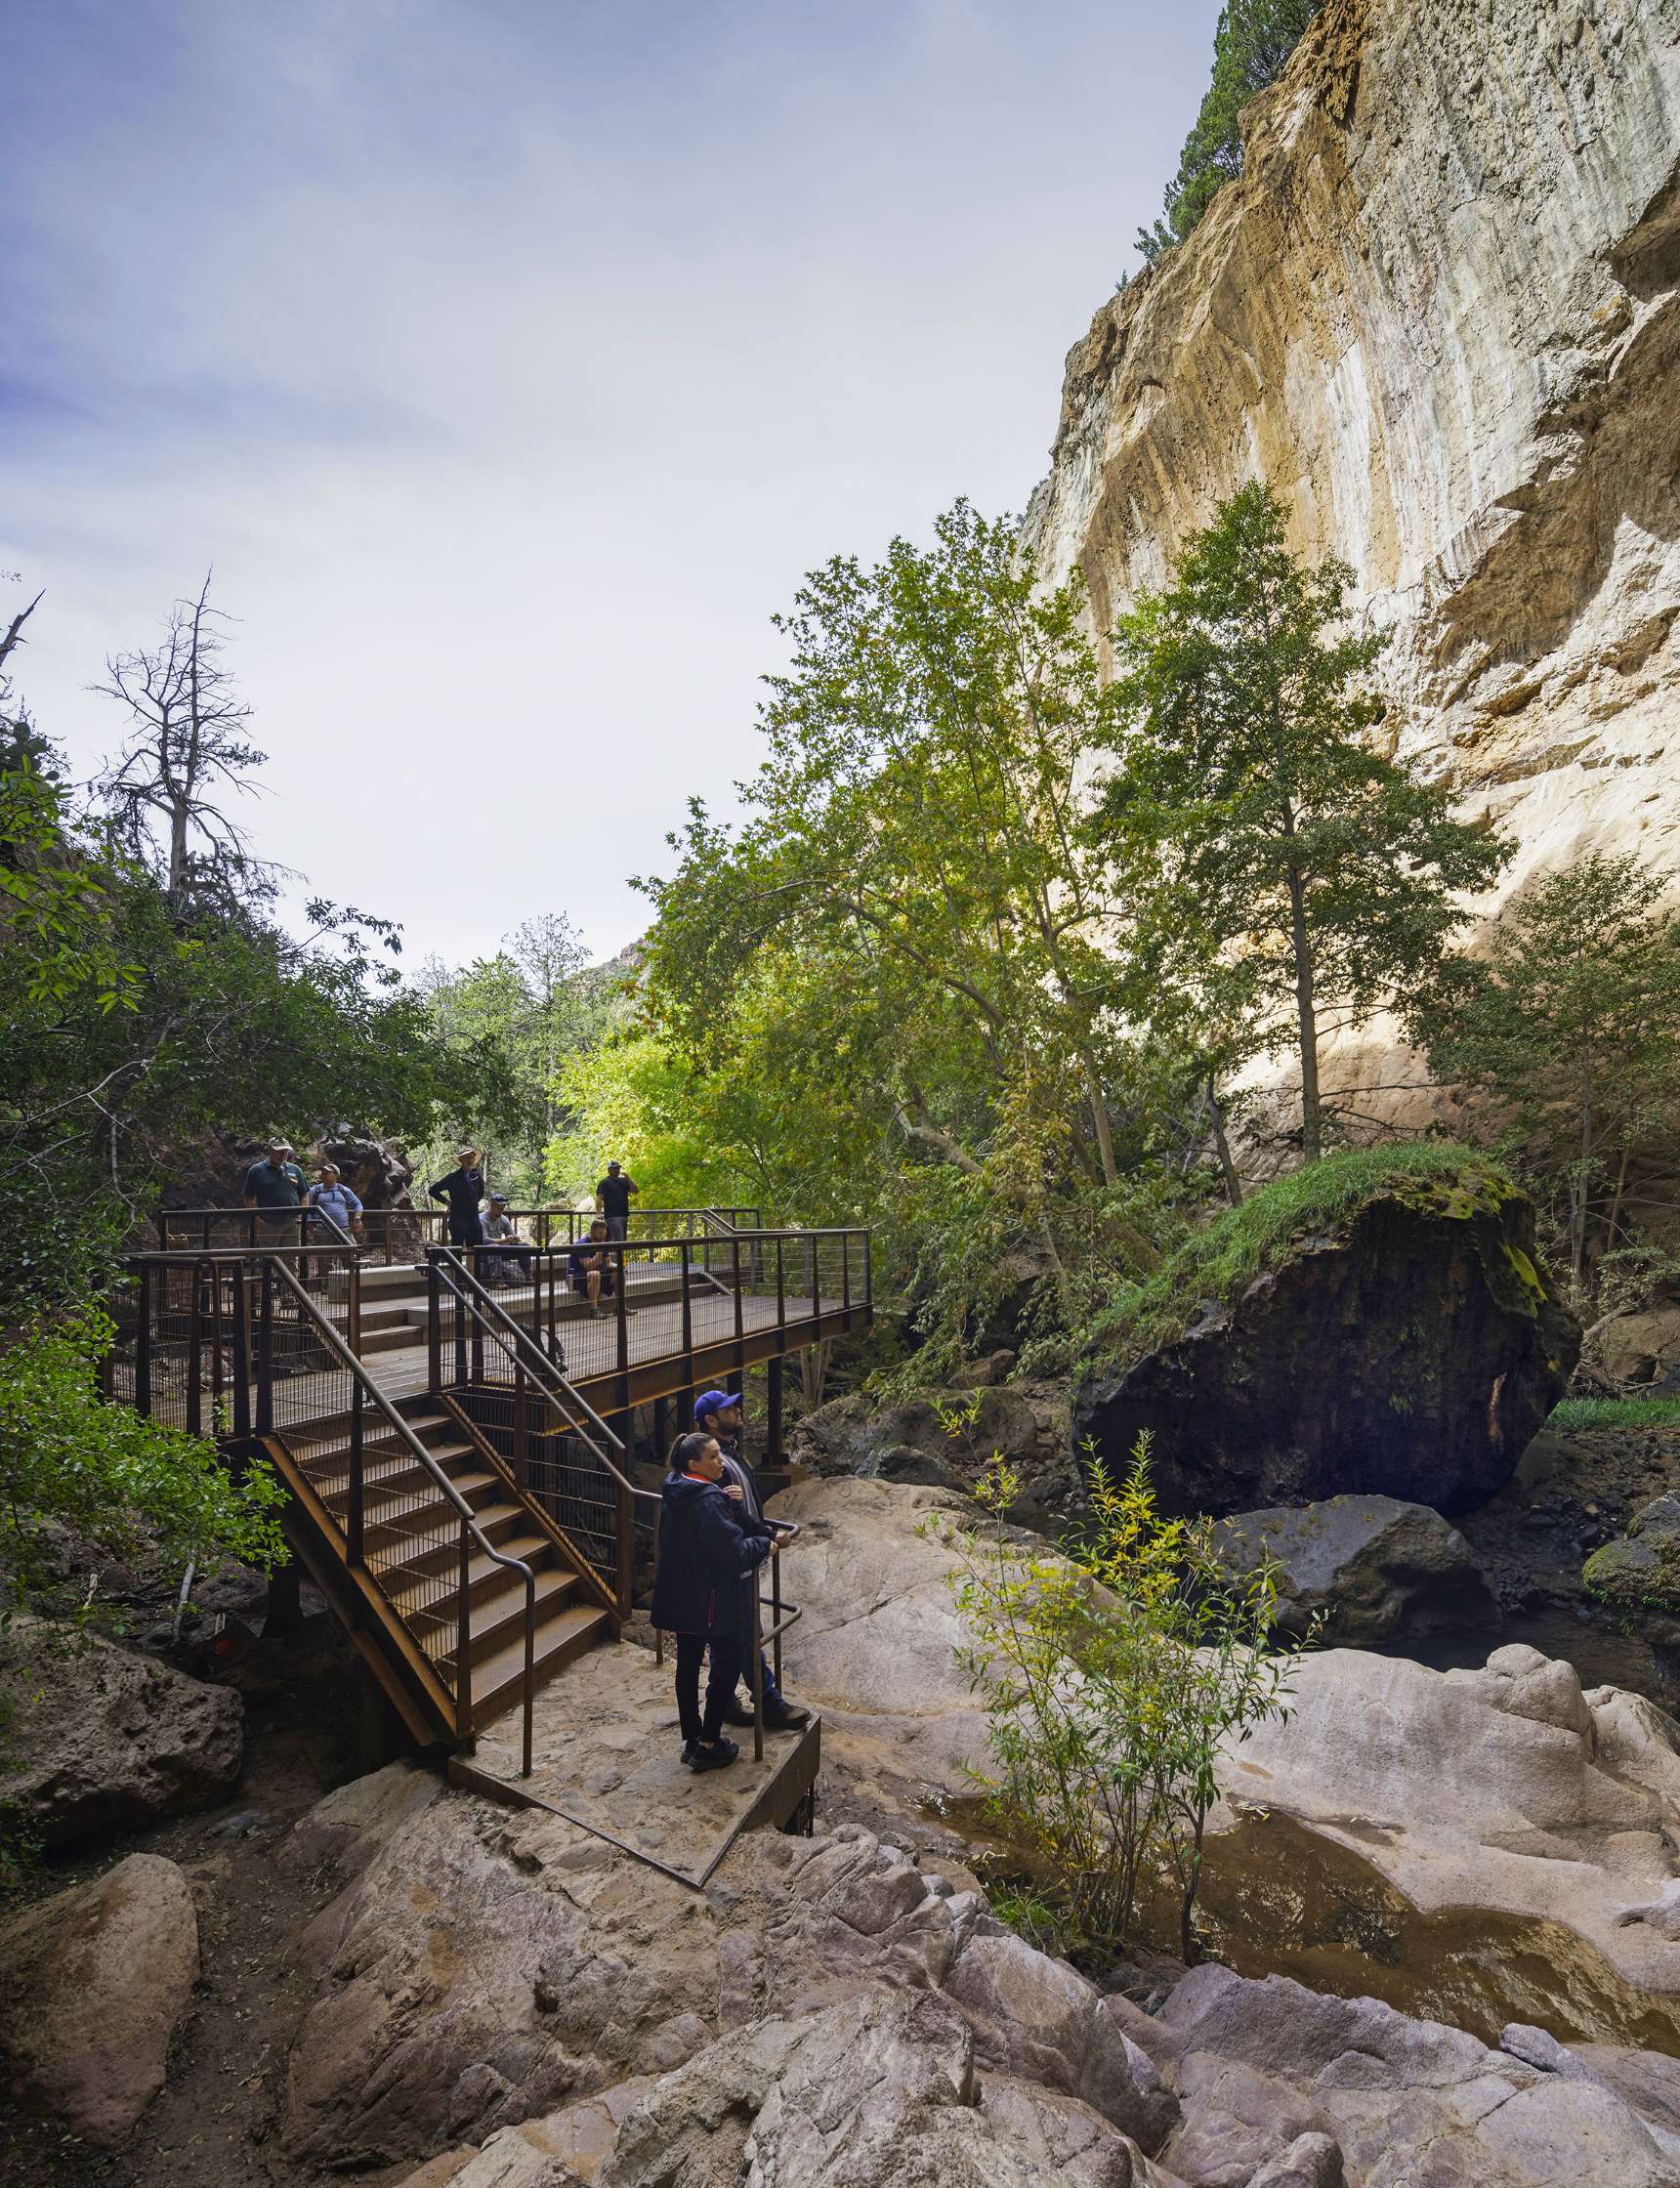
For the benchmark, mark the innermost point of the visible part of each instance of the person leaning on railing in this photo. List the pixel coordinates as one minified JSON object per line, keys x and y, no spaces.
{"x":709,"y":1551}
{"x":718,"y":1415}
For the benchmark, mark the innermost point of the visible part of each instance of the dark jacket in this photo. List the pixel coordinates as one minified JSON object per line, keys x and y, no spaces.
{"x":462,"y":1189}
{"x":707,"y":1555}
{"x":737,"y":1468}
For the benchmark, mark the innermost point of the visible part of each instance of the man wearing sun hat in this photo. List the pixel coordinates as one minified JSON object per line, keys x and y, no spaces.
{"x":718,"y":1413}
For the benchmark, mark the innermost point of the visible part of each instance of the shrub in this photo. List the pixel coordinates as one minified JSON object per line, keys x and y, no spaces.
{"x":1111,"y":1678}
{"x":69,"y":1458}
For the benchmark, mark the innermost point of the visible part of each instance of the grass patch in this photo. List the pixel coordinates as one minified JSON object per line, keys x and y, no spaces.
{"x":1221,"y":1261}
{"x":1577,"y":1413}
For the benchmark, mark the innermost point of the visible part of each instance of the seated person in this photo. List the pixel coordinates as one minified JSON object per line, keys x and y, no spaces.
{"x":590,"y":1267}
{"x":506,"y":1267}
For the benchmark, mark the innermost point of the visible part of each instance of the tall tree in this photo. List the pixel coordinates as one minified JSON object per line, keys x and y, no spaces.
{"x":1290,"y":878}
{"x":916,"y":820}
{"x":187,"y":749}
{"x":1568,"y":1018}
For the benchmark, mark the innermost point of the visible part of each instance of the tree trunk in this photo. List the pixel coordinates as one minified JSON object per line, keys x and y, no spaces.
{"x":1099,"y":1116}
{"x":1222,"y":1145}
{"x":1312,"y":1126}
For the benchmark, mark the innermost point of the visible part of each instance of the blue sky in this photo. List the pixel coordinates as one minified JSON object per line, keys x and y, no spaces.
{"x":511,"y":361}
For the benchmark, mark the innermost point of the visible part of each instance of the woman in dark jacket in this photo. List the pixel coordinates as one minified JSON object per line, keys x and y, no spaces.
{"x":701,"y":1592}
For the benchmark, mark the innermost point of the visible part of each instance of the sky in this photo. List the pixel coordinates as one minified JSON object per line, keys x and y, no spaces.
{"x":510,"y":361}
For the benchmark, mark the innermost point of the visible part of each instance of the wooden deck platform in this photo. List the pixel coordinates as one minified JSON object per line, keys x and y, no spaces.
{"x":606,"y":1756}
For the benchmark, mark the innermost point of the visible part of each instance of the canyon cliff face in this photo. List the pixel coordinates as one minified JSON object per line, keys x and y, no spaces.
{"x":1441,"y":313}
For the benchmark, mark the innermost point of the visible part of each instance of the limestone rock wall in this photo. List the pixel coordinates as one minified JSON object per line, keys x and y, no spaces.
{"x":1441,"y":313}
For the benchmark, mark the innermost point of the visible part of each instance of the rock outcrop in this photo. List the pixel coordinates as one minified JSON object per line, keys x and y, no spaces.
{"x":92,"y":1984}
{"x":1409,"y":1350}
{"x":945,"y":1440}
{"x":1638,"y":1575}
{"x":104,"y":1738}
{"x":1368,"y":1569}
{"x":1440,"y":312}
{"x":1507,"y":1790}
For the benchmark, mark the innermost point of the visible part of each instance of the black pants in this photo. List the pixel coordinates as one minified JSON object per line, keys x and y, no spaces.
{"x":719,"y":1687}
{"x":466,"y":1228}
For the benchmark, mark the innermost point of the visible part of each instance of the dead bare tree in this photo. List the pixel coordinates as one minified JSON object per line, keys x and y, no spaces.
{"x":186,"y":750}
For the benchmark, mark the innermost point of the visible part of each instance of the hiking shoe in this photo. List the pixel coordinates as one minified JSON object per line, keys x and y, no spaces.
{"x":690,"y":1749}
{"x":738,"y":1713}
{"x":788,"y":1719}
{"x":715,"y":1758}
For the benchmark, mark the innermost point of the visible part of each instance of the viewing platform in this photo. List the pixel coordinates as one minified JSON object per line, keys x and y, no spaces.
{"x":471,"y":1447}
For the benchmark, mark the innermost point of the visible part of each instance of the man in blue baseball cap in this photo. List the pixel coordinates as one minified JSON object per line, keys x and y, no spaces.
{"x":718,"y":1413}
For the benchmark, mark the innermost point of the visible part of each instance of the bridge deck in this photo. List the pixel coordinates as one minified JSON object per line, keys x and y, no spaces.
{"x":657,"y":1362}
{"x":605,"y":1755}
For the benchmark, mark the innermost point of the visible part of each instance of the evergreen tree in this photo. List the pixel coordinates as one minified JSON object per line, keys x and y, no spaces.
{"x":1250,"y":48}
{"x":1288,"y":879}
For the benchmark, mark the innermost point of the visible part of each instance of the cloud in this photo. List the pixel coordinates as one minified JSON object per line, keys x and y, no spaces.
{"x":511,"y":363}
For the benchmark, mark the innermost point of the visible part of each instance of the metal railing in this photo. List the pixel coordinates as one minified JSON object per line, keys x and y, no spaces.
{"x":242,"y":1328}
{"x":617,"y":1311}
{"x":399,"y":1236}
{"x":571,"y":1461}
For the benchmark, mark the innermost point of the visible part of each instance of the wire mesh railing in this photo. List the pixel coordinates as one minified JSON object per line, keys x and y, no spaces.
{"x":233,"y":1344}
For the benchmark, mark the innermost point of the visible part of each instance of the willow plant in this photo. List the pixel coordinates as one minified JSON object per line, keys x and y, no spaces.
{"x":1113,"y":1675}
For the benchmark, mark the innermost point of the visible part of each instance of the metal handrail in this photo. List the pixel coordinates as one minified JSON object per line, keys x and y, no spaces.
{"x":451,"y":1496}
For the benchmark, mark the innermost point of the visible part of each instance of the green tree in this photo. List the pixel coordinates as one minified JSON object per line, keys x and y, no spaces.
{"x":1250,"y":49}
{"x":1568,"y":1021}
{"x":915,"y":828}
{"x":1113,"y":1677}
{"x":1286,"y":878}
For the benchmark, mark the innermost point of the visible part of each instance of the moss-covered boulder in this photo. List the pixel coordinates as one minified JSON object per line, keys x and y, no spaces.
{"x":1639,"y":1574}
{"x":1378,"y":1325}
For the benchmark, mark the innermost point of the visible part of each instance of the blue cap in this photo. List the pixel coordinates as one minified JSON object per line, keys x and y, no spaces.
{"x":713,"y":1401}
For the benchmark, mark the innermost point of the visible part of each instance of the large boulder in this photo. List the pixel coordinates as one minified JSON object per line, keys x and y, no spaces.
{"x":92,"y":1985}
{"x":1372,"y":1568}
{"x":102,"y":1739}
{"x":1638,"y":1575}
{"x":1400,"y":1340}
{"x":944,"y":1439}
{"x":485,"y":1970}
{"x":1643,"y":1347}
{"x":1407,"y":2101}
{"x":1505,"y":1790}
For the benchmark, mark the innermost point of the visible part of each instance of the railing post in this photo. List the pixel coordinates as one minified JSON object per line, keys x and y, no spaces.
{"x":353,"y":1306}
{"x":470,"y":1256}
{"x":757,"y":1672}
{"x":195,"y":1353}
{"x":241,"y":1352}
{"x":355,"y":1516}
{"x":776,"y":1618}
{"x":265,"y":1353}
{"x":460,"y":1307}
{"x":773,"y":1405}
{"x":741,"y":1346}
{"x":624,"y":1551}
{"x":845,"y":1269}
{"x":434,"y":1329}
{"x":522,"y":1453}
{"x":688,"y":1317}
{"x":815,"y":1284}
{"x":464,"y":1640}
{"x":142,"y":1344}
{"x":869,"y":1271}
{"x":780,"y":1286}
{"x":623,"y":1326}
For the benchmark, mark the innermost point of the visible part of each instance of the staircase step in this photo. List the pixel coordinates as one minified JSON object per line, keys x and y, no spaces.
{"x":436,"y":1522}
{"x":498,"y":1681}
{"x":400,"y":1474}
{"x":497,"y":1619}
{"x":495,"y":1522}
{"x":398,"y":1338}
{"x":483,"y":1575}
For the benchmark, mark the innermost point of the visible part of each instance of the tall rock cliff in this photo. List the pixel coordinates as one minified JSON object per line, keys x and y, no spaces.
{"x":1441,"y":313}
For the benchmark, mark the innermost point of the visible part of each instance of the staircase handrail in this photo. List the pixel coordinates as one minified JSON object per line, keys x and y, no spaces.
{"x":471,"y":1293}
{"x":453,"y":1496}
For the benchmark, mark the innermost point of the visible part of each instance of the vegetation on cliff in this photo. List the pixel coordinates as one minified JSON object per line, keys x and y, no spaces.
{"x":1250,"y":48}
